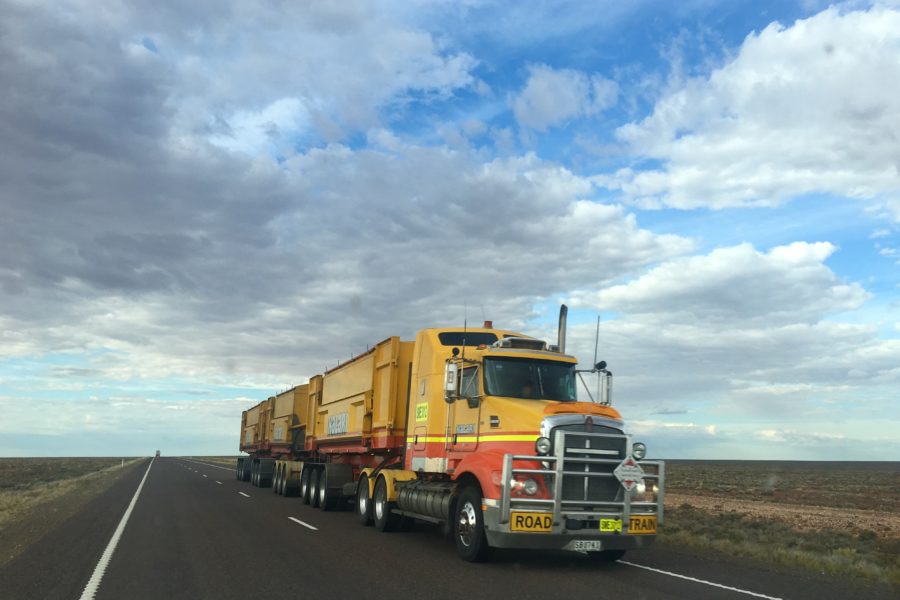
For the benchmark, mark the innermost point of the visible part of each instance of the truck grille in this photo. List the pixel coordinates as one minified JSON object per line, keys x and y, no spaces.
{"x":579,"y":479}
{"x":584,"y":477}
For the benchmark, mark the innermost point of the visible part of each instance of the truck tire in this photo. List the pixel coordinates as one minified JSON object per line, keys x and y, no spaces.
{"x":384,"y":517}
{"x":275,"y":480}
{"x":304,"y":484}
{"x":314,"y":479}
{"x":289,"y":486}
{"x":606,"y":556}
{"x":363,"y":502}
{"x":468,"y":527}
{"x":328,"y":499}
{"x":254,"y":474}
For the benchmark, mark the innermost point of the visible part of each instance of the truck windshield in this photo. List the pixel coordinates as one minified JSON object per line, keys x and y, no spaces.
{"x":529,"y":378}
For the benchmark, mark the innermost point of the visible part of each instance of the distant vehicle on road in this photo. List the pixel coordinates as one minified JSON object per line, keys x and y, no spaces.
{"x":157,"y":453}
{"x":478,"y":429}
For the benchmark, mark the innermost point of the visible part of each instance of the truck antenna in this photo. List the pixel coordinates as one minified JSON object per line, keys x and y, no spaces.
{"x":597,"y":343}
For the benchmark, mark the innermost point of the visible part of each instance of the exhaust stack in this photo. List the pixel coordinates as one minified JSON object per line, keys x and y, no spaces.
{"x":561,"y":332}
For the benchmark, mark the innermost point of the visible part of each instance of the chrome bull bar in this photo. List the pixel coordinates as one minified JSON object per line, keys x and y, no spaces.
{"x":562,"y":463}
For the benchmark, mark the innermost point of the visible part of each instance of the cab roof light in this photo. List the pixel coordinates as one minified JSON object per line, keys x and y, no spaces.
{"x":521,"y":343}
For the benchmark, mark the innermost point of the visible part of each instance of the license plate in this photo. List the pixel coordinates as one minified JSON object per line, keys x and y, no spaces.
{"x":638,"y":525}
{"x":611,"y":525}
{"x":587,"y":545}
{"x":540,"y":522}
{"x":642,"y":525}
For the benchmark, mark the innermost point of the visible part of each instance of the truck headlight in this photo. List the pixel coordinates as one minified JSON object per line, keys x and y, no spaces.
{"x":542,"y":446}
{"x":639,"y":450}
{"x":530,"y":487}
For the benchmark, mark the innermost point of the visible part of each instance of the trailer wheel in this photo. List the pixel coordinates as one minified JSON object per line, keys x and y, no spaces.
{"x":363,"y":502}
{"x":314,"y":483}
{"x":385,"y":518}
{"x":282,"y":481}
{"x":606,"y":556}
{"x":304,"y":484}
{"x":254,"y":474}
{"x":468,"y":526}
{"x":327,"y":499}
{"x":275,"y":480}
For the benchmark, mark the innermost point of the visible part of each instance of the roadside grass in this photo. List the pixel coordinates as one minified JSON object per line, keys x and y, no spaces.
{"x":864,"y":550}
{"x":862,"y":485}
{"x":27,"y":483}
{"x":862,"y":554}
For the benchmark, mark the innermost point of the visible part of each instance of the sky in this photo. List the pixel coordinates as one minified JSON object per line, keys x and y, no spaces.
{"x":203,"y":204}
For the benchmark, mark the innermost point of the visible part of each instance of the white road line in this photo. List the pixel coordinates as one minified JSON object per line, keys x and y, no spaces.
{"x":219,"y":482}
{"x":703,"y":581}
{"x":208,"y":465}
{"x":204,"y":475}
{"x":93,"y":584}
{"x":243,"y":494}
{"x":304,"y":524}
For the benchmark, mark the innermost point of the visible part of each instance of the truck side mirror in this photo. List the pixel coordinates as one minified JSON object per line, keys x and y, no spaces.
{"x":451,"y":382}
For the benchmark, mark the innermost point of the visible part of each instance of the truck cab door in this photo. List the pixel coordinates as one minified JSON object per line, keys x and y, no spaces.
{"x":464,"y":420}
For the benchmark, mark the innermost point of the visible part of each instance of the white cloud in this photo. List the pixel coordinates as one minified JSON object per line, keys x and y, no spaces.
{"x":737,"y":285}
{"x":252,"y":132}
{"x":249,"y":76}
{"x":814,"y":107}
{"x":742,"y":338}
{"x":551,"y":97}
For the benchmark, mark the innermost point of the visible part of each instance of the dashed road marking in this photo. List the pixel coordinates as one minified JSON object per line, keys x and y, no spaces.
{"x":90,"y":590}
{"x":244,"y":495}
{"x":703,"y":581}
{"x":208,"y":465}
{"x":304,"y":524}
{"x":204,"y":475}
{"x":219,"y":482}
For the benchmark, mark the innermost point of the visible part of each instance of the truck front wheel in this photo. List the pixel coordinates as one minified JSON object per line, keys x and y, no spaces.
{"x":468,"y":527}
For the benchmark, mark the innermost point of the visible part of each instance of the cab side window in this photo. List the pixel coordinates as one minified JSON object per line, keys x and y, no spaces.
{"x":468,"y":383}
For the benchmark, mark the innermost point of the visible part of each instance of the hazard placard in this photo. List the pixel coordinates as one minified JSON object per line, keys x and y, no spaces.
{"x":629,"y":472}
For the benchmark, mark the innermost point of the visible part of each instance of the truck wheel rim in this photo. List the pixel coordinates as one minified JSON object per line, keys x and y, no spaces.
{"x":467,"y":524}
{"x":379,"y":508}
{"x":363,"y":500}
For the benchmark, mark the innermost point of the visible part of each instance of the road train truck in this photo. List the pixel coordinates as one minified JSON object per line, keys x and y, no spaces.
{"x":479,"y":430}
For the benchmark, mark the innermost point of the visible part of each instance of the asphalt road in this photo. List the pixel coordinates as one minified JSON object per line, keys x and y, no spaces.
{"x":196,"y":532}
